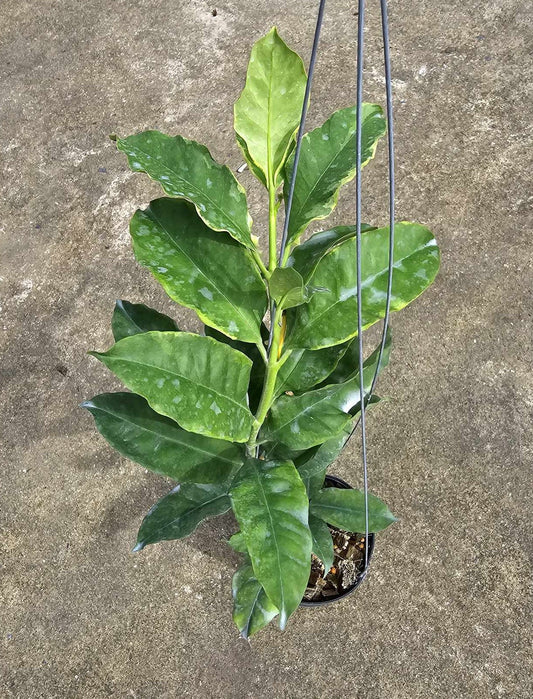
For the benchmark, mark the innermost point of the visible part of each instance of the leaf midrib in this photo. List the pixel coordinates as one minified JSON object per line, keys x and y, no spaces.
{"x":274,"y":535}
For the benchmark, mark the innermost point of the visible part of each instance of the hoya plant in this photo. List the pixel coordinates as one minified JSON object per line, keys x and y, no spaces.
{"x":239,"y":420}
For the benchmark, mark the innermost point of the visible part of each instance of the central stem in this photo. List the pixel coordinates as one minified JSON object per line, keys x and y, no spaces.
{"x":267,"y":396}
{"x":272,"y":233}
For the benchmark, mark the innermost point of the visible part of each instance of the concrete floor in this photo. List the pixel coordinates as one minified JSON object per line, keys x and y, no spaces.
{"x":444,"y":612}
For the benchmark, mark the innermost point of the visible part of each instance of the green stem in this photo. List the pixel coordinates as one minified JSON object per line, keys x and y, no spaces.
{"x":271,"y":374}
{"x":272,"y":233}
{"x":258,"y":260}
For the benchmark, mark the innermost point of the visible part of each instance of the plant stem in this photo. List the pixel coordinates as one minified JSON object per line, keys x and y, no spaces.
{"x":258,"y":260}
{"x":272,"y":233}
{"x":267,"y":396}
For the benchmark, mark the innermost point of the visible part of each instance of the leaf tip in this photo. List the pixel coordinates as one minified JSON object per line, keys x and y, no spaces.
{"x":113,"y":137}
{"x":86,"y":404}
{"x":138,"y":547}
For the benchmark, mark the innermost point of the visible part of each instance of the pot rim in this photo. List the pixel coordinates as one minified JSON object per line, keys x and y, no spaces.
{"x":340,"y":483}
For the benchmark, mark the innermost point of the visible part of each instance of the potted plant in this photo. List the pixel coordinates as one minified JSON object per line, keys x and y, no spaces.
{"x":241,"y":422}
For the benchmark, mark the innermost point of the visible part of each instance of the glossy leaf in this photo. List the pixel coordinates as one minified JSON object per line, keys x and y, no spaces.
{"x":311,"y":418}
{"x":306,"y":256}
{"x":330,"y":317}
{"x":179,"y":513}
{"x":268,"y":110}
{"x":271,"y":506}
{"x":160,"y":444}
{"x":348,"y":364}
{"x":313,"y":463}
{"x":287,"y":287}
{"x":252,"y":609}
{"x":200,"y":268}
{"x":345,"y":509}
{"x":134,"y":318}
{"x":322,"y":541}
{"x":327,"y":161}
{"x":304,"y":369}
{"x":197,"y":381}
{"x":185,"y":169}
{"x":257,"y":374}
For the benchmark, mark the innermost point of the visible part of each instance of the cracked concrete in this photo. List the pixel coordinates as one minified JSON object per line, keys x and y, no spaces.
{"x":444,"y":612}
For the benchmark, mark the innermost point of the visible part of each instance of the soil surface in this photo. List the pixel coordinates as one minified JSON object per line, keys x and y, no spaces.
{"x":348,"y":564}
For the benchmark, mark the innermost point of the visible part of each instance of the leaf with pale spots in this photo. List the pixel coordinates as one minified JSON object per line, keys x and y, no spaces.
{"x":200,"y":268}
{"x":327,"y":161}
{"x":195,"y":380}
{"x":185,"y":169}
{"x":271,"y":507}
{"x":330,"y":318}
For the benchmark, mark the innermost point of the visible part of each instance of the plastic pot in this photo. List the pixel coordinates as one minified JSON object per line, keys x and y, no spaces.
{"x":335,"y":482}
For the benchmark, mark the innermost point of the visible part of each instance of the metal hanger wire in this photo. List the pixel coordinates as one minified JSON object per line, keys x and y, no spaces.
{"x":390,"y":139}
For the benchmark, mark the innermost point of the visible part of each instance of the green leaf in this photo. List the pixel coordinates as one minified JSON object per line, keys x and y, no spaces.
{"x":303,"y":421}
{"x":315,"y":481}
{"x":252,"y":610}
{"x":257,"y":374}
{"x":306,"y":256}
{"x":345,"y":509}
{"x":348,"y":364}
{"x":199,"y":268}
{"x":253,"y":167}
{"x":330,"y":318}
{"x":304,"y":369}
{"x":185,"y":169}
{"x":327,"y":161}
{"x":237,"y":543}
{"x":179,"y":513}
{"x":268,"y":110}
{"x":287,"y":287}
{"x":197,"y":381}
{"x":271,"y":506}
{"x":134,"y":318}
{"x":322,"y":541}
{"x":159,"y":444}
{"x":313,"y":463}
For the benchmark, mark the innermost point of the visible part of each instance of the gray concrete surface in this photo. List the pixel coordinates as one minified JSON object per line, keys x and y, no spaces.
{"x":445,"y":610}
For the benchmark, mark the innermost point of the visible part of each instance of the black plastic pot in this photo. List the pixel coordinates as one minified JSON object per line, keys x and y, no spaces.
{"x":335,"y":482}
